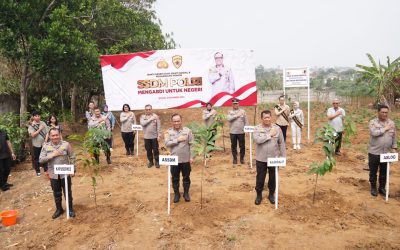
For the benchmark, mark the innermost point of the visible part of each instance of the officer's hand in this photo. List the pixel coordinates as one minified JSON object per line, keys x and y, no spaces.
{"x":182,"y":138}
{"x":47,"y":175}
{"x":393,"y":150}
{"x":14,"y":157}
{"x":56,"y":153}
{"x":273,"y":132}
{"x":191,"y":160}
{"x":388,"y":127}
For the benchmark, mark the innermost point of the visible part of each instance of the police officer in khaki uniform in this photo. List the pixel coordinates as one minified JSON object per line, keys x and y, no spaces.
{"x":179,"y":139}
{"x":382,"y":141}
{"x":151,"y":133}
{"x":58,"y":152}
{"x":237,"y":119}
{"x":37,"y":130}
{"x":209,"y":114}
{"x":270,"y":144}
{"x":100,"y":121}
{"x":209,"y":118}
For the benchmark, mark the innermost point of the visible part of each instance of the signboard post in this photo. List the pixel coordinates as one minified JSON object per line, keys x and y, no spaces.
{"x":65,"y":170}
{"x":250,"y":130}
{"x":276,"y":163}
{"x":298,"y":78}
{"x":168,"y":160}
{"x":137,"y":128}
{"x":389,"y":157}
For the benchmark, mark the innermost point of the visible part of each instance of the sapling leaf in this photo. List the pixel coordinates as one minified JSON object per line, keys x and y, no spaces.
{"x":326,"y":135}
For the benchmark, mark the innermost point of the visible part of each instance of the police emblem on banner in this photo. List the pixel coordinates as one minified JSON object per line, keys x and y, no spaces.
{"x":177,"y":61}
{"x":162,"y":64}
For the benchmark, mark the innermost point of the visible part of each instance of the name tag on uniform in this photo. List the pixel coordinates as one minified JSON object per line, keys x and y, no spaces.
{"x":64,"y":169}
{"x":137,"y":127}
{"x":277,"y":162}
{"x":389,"y":157}
{"x":168,"y":160}
{"x":248,"y":129}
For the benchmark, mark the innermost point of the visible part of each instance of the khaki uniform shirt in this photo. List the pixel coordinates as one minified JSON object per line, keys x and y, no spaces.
{"x":181,"y":149}
{"x":95,"y":122}
{"x":151,"y":126}
{"x":127,"y":122}
{"x":67,"y":157}
{"x":209,"y":116}
{"x":381,"y":142}
{"x":267,"y":146}
{"x":280,"y":120}
{"x":237,"y":120}
{"x":38,"y":140}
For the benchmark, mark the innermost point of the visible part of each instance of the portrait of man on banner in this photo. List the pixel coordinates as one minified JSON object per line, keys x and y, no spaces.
{"x":221,"y":76}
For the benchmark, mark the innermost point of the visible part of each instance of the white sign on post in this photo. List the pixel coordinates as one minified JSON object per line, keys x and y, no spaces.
{"x":65,"y":170}
{"x":298,"y":78}
{"x":389,"y":157}
{"x":168,"y":160}
{"x":137,"y":128}
{"x":276,"y":163}
{"x":250,"y":129}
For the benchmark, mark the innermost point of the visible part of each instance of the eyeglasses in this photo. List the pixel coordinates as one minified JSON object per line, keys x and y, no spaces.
{"x":335,"y":103}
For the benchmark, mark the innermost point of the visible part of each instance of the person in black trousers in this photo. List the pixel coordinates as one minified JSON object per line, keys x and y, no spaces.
{"x":127,"y":118}
{"x":6,"y":155}
{"x":151,"y":133}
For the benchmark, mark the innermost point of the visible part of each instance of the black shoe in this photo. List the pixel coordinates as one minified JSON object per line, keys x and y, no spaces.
{"x":157,"y":165}
{"x":57,"y":213}
{"x":271,"y":198}
{"x":177,"y":197}
{"x":235,"y":161}
{"x":338,"y":153}
{"x":241,"y":161}
{"x":132,"y":152}
{"x":71,"y":213}
{"x":150,"y":164}
{"x":374,"y":192}
{"x":258,"y":199}
{"x":109,"y":160}
{"x":186,"y":196}
{"x":8,"y":185}
{"x":382,"y":191}
{"x":128,"y":153}
{"x":4,"y":188}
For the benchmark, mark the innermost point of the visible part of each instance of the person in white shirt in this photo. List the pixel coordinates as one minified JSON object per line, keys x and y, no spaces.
{"x":336,"y":116}
{"x":296,"y":118}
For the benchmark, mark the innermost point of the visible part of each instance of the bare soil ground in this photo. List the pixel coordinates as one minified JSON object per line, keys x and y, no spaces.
{"x":132,"y":203}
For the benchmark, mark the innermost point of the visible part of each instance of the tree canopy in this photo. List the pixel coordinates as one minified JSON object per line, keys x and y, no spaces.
{"x":55,"y":45}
